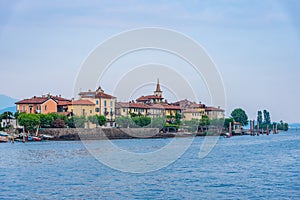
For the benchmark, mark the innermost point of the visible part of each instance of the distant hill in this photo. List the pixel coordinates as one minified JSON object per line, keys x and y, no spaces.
{"x":294,"y":125}
{"x":10,"y":109}
{"x":6,"y":101}
{"x":7,"y":104}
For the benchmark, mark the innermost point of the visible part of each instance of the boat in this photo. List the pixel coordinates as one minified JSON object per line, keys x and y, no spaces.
{"x":34,"y":138}
{"x":47,"y":137}
{"x":3,"y":139}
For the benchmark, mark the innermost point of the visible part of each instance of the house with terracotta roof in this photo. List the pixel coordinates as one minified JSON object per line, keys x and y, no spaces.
{"x":214,"y":113}
{"x":82,"y":107}
{"x":104,"y":104}
{"x":44,"y":104}
{"x":152,"y":99}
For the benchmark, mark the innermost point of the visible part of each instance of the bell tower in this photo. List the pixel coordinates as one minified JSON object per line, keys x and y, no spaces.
{"x":158,"y":91}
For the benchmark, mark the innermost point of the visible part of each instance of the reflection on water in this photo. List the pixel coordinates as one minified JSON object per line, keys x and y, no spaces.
{"x":238,"y":167}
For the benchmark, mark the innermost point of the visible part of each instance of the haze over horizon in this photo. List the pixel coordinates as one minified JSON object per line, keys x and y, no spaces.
{"x":254,"y":44}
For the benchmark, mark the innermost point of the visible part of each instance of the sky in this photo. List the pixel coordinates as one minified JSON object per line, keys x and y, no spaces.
{"x":254,"y":44}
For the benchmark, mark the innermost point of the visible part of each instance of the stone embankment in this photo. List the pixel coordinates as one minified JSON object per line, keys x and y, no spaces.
{"x":103,"y":133}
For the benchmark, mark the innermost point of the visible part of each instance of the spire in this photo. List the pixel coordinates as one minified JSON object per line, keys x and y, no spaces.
{"x":158,"y":87}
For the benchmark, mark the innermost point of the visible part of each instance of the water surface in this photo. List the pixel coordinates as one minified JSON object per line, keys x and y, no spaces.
{"x":242,"y":167}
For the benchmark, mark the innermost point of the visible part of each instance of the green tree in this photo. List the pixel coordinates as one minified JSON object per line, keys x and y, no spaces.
{"x":93,"y":119}
{"x":157,"y":122}
{"x":29,"y":121}
{"x":177,"y":118}
{"x":259,"y":117}
{"x":123,"y":121}
{"x":141,"y":121}
{"x":46,"y":120}
{"x":227,"y":121}
{"x":101,"y":120}
{"x":79,"y":121}
{"x":267,"y":118}
{"x":204,"y":121}
{"x":239,"y":115}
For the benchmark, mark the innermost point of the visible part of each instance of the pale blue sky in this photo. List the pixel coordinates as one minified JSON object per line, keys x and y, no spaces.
{"x":255,"y":44}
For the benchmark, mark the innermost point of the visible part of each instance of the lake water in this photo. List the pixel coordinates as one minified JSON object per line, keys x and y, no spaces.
{"x":242,"y":167}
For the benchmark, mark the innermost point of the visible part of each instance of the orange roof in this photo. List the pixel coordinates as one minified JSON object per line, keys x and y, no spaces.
{"x":82,"y":102}
{"x":145,"y":98}
{"x":171,"y":107}
{"x":33,"y":100}
{"x":213,"y":109}
{"x":40,"y":100}
{"x":104,"y":95}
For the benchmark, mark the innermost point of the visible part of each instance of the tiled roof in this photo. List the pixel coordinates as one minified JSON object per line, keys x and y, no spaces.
{"x":82,"y":102}
{"x":39,"y":100}
{"x":138,"y":105}
{"x":33,"y":100}
{"x":213,"y":109}
{"x":192,"y":111}
{"x":122,"y":105}
{"x":171,"y":107}
{"x":104,"y":95}
{"x":145,"y":98}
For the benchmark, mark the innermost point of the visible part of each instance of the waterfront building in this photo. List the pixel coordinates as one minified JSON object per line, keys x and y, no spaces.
{"x":215,"y":113}
{"x":44,"y":105}
{"x":104,"y":104}
{"x":82,"y":107}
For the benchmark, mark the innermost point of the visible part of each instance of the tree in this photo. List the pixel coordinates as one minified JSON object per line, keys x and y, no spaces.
{"x":267,"y":118}
{"x":204,"y":121}
{"x":227,"y":121}
{"x":58,"y":123}
{"x":79,"y":121}
{"x":123,"y":121}
{"x":101,"y":120}
{"x":158,"y":122}
{"x":141,"y":121}
{"x":177,"y":118}
{"x":29,"y":121}
{"x":93,"y":119}
{"x":239,"y":115}
{"x":46,"y":120}
{"x":259,"y":117}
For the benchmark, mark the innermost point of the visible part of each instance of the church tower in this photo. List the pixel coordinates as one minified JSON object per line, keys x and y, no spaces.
{"x":158,"y":91}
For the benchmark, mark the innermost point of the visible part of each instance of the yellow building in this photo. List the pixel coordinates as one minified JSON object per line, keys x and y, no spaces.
{"x":82,"y":107}
{"x":215,"y":113}
{"x":190,"y":114}
{"x":104,"y":103}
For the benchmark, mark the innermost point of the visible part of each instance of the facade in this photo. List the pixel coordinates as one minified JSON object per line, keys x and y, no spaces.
{"x":82,"y":107}
{"x":214,"y":113}
{"x":104,"y":103}
{"x":44,"y":105}
{"x":190,"y":114}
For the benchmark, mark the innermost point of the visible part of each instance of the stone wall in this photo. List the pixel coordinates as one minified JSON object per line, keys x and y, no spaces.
{"x":102,"y":133}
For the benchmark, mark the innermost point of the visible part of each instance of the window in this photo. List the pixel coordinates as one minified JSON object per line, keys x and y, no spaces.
{"x":97,"y":102}
{"x":23,"y":109}
{"x":97,"y":109}
{"x":111,"y":103}
{"x":45,"y":107}
{"x":123,"y":109}
{"x":91,"y":111}
{"x":104,"y":103}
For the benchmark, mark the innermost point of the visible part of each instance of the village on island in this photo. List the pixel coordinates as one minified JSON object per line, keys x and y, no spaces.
{"x":40,"y":117}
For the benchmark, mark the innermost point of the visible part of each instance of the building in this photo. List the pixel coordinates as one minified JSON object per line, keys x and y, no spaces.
{"x":82,"y":107}
{"x":152,"y":99}
{"x":44,"y":105}
{"x":215,"y":113}
{"x":150,"y":105}
{"x":104,"y":103}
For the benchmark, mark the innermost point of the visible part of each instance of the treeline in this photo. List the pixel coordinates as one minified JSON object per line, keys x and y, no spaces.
{"x":55,"y":120}
{"x":264,"y":121}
